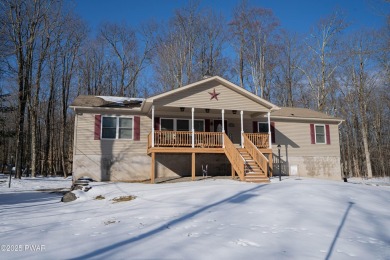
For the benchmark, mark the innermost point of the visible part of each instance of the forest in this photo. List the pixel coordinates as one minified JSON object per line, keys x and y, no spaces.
{"x":48,"y":56}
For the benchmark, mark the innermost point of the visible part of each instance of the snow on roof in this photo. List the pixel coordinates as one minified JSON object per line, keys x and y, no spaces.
{"x":120,"y":99}
{"x":106,"y":101}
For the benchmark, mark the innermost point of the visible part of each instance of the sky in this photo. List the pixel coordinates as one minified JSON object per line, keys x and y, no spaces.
{"x":295,"y":15}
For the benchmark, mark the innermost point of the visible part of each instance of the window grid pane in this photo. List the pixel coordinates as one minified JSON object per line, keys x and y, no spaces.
{"x":109,"y":127}
{"x":125,"y":133}
{"x":109,"y":122}
{"x":125,"y":128}
{"x":263,"y":128}
{"x":126,"y":122}
{"x":167,"y":124}
{"x":320,"y":134}
{"x":183,"y":125}
{"x":109,"y":133}
{"x":199,"y":125}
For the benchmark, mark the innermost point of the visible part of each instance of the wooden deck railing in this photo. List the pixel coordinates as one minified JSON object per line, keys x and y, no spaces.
{"x":258,"y":139}
{"x":150,"y":140}
{"x":173,"y":138}
{"x":235,"y":158}
{"x":184,"y":139}
{"x":208,"y":139}
{"x":257,"y":156}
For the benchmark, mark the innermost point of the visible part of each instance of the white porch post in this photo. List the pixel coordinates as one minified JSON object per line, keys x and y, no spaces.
{"x":242,"y":128}
{"x":193,"y":130}
{"x":269,"y":130}
{"x":223,"y":128}
{"x":153,"y":126}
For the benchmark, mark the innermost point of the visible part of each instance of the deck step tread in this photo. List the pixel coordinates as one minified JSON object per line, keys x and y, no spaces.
{"x":253,"y":173}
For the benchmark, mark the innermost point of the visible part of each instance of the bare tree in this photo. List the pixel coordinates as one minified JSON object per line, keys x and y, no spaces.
{"x":176,"y":47}
{"x":190,"y":47}
{"x":255,"y":31}
{"x":210,"y":58}
{"x":365,"y":80}
{"x":321,"y":66}
{"x":238,"y":28}
{"x":123,"y":43}
{"x":74,"y":33}
{"x":23,"y":21}
{"x":262,"y":48}
{"x":288,"y":77}
{"x":50,"y":24}
{"x":93,"y":68}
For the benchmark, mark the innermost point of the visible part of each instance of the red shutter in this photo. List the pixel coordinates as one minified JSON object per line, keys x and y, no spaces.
{"x":273,"y":132}
{"x":98,"y":122}
{"x":327,"y":131}
{"x":312,"y":134}
{"x":137,"y":131}
{"x":207,"y":125}
{"x":156,"y":123}
{"x":255,"y":127}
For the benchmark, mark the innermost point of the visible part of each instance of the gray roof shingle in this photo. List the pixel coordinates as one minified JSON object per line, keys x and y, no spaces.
{"x":296,"y":112}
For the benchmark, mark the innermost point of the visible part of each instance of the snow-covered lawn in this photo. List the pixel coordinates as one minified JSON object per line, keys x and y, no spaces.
{"x":211,"y":219}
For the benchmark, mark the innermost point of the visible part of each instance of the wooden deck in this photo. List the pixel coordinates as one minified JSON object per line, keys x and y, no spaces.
{"x":256,"y":145}
{"x":200,"y":139}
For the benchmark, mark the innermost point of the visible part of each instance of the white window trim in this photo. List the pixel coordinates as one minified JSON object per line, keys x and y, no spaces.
{"x":315,"y":133}
{"x":117,"y":128}
{"x":175,"y":123}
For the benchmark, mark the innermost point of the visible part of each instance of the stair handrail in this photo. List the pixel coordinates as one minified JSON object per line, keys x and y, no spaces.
{"x":235,"y":158}
{"x":257,"y":156}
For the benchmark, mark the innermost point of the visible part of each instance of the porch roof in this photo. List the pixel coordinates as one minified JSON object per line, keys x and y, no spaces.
{"x":211,"y":93}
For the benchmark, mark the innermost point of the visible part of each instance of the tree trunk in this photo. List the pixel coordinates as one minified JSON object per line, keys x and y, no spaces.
{"x":364,"y":130}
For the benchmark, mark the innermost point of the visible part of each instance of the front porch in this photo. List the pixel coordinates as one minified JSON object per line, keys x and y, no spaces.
{"x":248,"y":160}
{"x":212,"y":116}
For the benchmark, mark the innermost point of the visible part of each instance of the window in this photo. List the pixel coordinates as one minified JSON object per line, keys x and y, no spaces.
{"x":167,"y":124}
{"x":177,"y":124}
{"x":263,"y":127}
{"x":125,"y":128}
{"x":199,"y":125}
{"x":182,"y":125}
{"x":109,"y":128}
{"x":320,"y":134}
{"x":117,"y":127}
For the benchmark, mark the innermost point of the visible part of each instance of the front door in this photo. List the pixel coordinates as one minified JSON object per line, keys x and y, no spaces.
{"x":218,"y":126}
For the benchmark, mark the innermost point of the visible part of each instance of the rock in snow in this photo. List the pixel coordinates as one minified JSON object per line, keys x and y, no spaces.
{"x":68,"y":197}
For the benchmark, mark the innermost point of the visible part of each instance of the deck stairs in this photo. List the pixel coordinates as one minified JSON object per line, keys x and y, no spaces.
{"x":253,"y":173}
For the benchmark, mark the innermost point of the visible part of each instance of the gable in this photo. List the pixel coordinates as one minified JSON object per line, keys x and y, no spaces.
{"x":199,"y":97}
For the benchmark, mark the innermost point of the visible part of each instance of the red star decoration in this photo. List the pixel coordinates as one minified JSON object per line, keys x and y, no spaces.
{"x":214,"y":95}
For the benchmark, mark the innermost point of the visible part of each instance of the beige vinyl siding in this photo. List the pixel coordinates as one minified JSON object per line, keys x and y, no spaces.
{"x":85,"y":143}
{"x":199,"y":97}
{"x":296,"y":136}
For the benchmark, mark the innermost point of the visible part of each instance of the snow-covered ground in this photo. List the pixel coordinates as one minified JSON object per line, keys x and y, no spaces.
{"x":210,"y":219}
